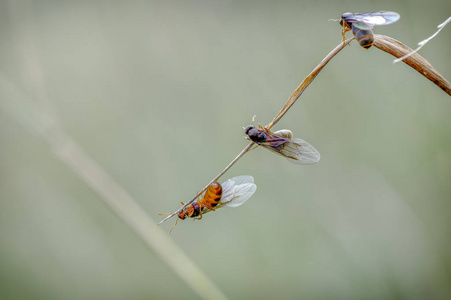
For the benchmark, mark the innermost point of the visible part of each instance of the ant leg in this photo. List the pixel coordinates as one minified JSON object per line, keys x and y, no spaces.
{"x":200,"y":217}
{"x":344,"y":30}
{"x":253,"y":147}
{"x":200,"y":214}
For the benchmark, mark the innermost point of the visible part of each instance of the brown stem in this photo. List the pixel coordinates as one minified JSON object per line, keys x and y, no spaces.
{"x":296,"y":94}
{"x":416,"y":61}
{"x":305,"y":83}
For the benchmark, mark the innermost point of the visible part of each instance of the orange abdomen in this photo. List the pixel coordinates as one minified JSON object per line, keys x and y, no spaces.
{"x":212,"y":196}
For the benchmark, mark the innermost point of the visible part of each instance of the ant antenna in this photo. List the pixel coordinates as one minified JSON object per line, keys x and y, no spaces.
{"x":253,"y":119}
{"x":173,"y":226}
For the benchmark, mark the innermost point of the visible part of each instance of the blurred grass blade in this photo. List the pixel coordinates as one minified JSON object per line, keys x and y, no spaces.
{"x":35,"y":120}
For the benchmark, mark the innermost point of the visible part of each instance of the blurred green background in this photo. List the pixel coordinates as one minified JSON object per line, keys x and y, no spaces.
{"x":157,"y":92}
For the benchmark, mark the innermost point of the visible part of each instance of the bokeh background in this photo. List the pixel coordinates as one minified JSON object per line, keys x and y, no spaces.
{"x":157,"y":92}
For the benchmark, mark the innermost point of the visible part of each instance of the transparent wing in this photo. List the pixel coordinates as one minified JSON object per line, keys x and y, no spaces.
{"x":301,"y":152}
{"x":240,"y":191}
{"x":235,"y":192}
{"x":295,"y":150}
{"x":363,"y":26}
{"x":374,"y":18}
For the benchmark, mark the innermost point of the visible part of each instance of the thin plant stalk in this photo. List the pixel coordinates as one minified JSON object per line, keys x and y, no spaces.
{"x":306,"y":82}
{"x":293,"y":98}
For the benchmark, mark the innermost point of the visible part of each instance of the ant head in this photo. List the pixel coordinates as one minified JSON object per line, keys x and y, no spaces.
{"x":347,"y":15}
{"x":256,"y":135}
{"x":248,"y":128}
{"x":343,"y":17}
{"x":182,"y":215}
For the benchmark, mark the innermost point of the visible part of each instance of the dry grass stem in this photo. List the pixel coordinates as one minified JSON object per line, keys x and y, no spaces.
{"x":296,"y":94}
{"x":415,"y":60}
{"x":305,"y":83}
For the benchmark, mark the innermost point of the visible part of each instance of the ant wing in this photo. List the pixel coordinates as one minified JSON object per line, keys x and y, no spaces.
{"x":238,"y":180}
{"x":300,"y":152}
{"x":237,"y":190}
{"x":363,"y":26}
{"x":375,"y":18}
